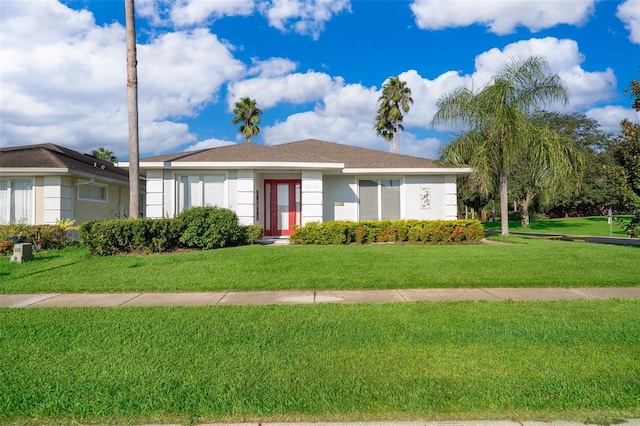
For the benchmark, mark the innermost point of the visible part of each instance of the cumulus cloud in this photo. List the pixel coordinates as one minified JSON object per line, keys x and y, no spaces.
{"x":346,"y":112}
{"x":184,"y":13}
{"x":629,"y":13}
{"x":66,"y":81}
{"x":610,"y":116}
{"x":564,"y":57}
{"x":209,"y":143}
{"x":500,"y":16}
{"x":297,"y":88}
{"x":306,"y":17}
{"x":273,"y":67}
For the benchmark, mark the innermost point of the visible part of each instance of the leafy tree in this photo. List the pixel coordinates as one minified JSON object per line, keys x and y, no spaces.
{"x":626,"y":151}
{"x":598,"y":190}
{"x":395,"y":100}
{"x":248,"y":114}
{"x":499,"y":127}
{"x":104,"y":154}
{"x":560,"y":168}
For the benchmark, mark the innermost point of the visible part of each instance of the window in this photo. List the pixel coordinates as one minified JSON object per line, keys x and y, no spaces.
{"x":200,"y":190}
{"x":16,"y":201}
{"x":92,"y":192}
{"x":379,"y":199}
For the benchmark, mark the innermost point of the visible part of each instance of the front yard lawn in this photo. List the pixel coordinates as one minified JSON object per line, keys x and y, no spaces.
{"x":570,"y":360}
{"x":597,"y":226}
{"x":531,"y":262}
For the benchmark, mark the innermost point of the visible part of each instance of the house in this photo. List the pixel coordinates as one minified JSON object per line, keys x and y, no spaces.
{"x":40,"y":184}
{"x":295,"y":183}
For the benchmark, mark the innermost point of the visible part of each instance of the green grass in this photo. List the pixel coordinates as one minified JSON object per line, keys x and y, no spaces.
{"x":591,"y":226}
{"x":572,"y":360}
{"x":532,"y":262}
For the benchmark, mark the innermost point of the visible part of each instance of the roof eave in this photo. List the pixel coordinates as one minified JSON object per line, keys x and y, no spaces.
{"x":458,"y":171}
{"x":237,"y":165}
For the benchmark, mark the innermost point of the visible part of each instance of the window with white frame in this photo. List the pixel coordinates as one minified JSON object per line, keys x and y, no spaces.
{"x":200,"y":190}
{"x":16,"y":201}
{"x":379,"y":199}
{"x":92,"y":192}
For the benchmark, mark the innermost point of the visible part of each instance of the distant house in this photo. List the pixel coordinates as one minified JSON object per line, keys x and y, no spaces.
{"x":299,"y":182}
{"x":40,"y":184}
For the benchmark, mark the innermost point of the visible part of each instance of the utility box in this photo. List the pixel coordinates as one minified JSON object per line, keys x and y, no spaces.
{"x":22,"y":252}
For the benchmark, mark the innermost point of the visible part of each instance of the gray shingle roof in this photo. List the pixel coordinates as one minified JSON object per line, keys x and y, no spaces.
{"x":50,"y":156}
{"x":305,"y":151}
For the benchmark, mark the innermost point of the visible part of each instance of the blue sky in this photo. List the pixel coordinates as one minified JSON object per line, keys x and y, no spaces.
{"x":315,"y":67}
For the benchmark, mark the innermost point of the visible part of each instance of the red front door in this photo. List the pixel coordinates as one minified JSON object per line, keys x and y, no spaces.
{"x":282,"y":206}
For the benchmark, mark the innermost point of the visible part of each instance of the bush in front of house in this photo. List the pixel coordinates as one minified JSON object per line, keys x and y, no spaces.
{"x":41,"y":236}
{"x":209,"y":228}
{"x":198,"y":228}
{"x":383,"y":231}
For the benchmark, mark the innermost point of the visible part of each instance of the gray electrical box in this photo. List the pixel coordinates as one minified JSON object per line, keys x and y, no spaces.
{"x":22,"y":252}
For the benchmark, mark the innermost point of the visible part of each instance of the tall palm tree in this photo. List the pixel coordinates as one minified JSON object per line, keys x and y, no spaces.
{"x":104,"y":154}
{"x":248,"y":114}
{"x":132,"y":103}
{"x":499,"y":127}
{"x":395,"y":100}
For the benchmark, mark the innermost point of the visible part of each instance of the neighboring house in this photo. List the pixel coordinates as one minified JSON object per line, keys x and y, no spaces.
{"x":295,"y":183}
{"x":40,"y":184}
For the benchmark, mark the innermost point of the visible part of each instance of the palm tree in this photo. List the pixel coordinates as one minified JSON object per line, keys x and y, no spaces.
{"x":248,"y":114}
{"x":395,"y":100}
{"x":132,"y":103}
{"x":499,"y":125}
{"x":104,"y":154}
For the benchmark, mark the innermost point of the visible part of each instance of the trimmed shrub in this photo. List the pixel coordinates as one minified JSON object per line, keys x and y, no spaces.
{"x":41,"y":236}
{"x":412,"y":231}
{"x":209,"y":228}
{"x":254,"y":234}
{"x":199,"y":228}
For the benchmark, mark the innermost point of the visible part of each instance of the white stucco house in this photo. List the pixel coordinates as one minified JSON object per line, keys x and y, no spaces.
{"x":40,"y":184}
{"x":294,"y":183}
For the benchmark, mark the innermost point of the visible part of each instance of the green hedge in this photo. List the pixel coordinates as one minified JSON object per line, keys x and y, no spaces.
{"x":42,"y":236}
{"x":411,"y":231}
{"x":199,"y":228}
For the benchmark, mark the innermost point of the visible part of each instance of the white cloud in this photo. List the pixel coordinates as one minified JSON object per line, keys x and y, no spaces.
{"x":295,"y":88}
{"x":184,"y":13}
{"x":272,"y":67}
{"x":306,"y":17}
{"x":564,"y":57}
{"x":629,"y":13}
{"x":69,"y":86}
{"x":346,"y":113}
{"x":189,"y":12}
{"x":209,"y":143}
{"x":500,"y":16}
{"x":610,"y":116}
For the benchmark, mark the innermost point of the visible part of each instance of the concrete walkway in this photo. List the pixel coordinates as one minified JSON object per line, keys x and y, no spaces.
{"x":309,"y":296}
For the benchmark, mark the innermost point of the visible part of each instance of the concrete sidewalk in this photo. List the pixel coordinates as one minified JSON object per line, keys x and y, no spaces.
{"x":308,"y":297}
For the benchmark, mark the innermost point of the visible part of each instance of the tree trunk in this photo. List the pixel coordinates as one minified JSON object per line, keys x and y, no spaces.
{"x":524,"y":210}
{"x":132,"y":103}
{"x":504,"y":204}
{"x":397,"y":138}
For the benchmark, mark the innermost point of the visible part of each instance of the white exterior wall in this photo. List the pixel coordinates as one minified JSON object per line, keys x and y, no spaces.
{"x":245,"y":197}
{"x":155,"y":195}
{"x":312,"y":197}
{"x":451,"y":198}
{"x":58,"y":198}
{"x":413,"y":207}
{"x":340,"y":198}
